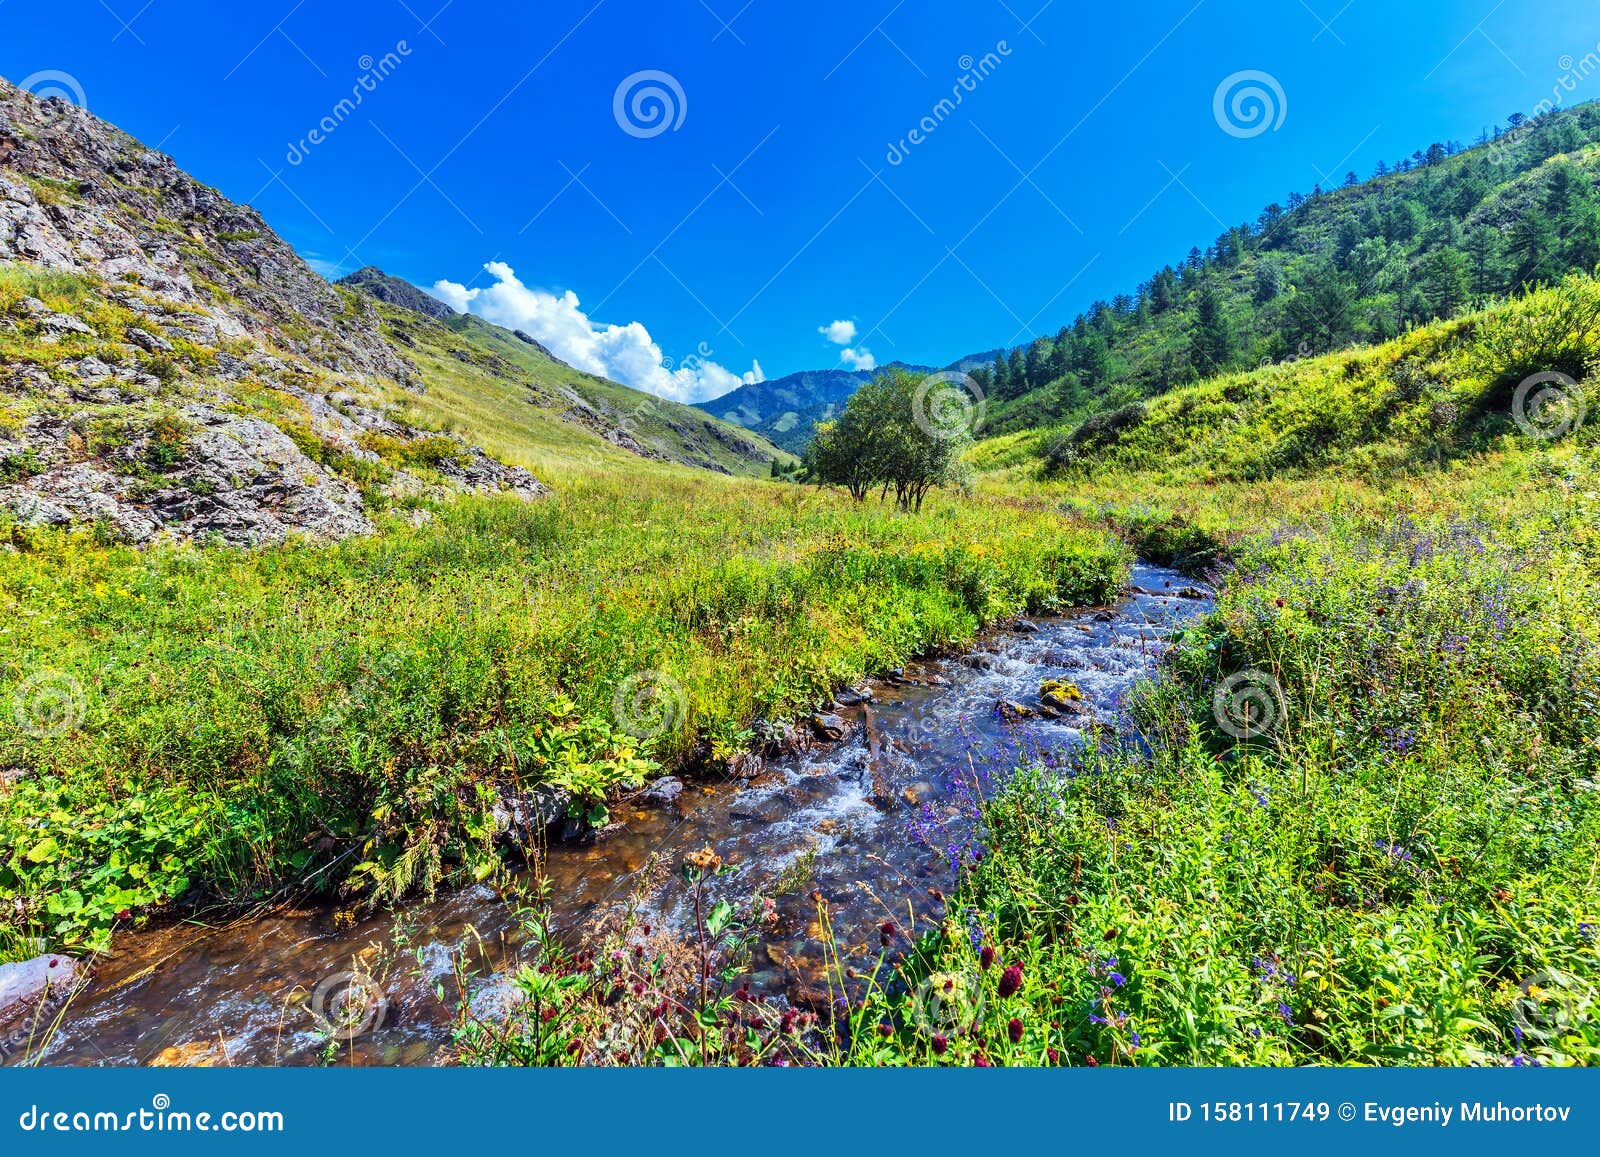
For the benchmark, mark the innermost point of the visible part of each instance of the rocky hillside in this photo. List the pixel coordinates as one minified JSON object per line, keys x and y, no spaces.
{"x":169,"y":366}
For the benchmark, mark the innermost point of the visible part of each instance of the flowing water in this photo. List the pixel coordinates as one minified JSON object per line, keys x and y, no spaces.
{"x":870,"y":821}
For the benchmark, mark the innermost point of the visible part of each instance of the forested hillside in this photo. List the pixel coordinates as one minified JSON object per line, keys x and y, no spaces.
{"x":1424,"y":238}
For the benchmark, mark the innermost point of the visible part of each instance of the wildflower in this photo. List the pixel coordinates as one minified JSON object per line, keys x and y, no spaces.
{"x":1586,"y":933}
{"x":704,"y":860}
{"x":1010,"y":980}
{"x":986,"y":957}
{"x":786,"y":1022}
{"x":941,"y":1044}
{"x":1089,"y":1060}
{"x":1286,"y":1012}
{"x":1055,"y":1057}
{"x":885,"y":1031}
{"x":1014,"y":1030}
{"x":575,"y":1048}
{"x":982,"y":1062}
{"x":1134,"y":1042}
{"x":1117,"y":979}
{"x":1111,"y":934}
{"x":886,"y":932}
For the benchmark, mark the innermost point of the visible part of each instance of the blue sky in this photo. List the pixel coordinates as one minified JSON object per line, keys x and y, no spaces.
{"x":1085,"y":151}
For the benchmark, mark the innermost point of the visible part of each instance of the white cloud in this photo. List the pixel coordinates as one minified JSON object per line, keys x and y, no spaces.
{"x":839,"y":332}
{"x":858,"y":359}
{"x":623,"y":353}
{"x":755,"y":375}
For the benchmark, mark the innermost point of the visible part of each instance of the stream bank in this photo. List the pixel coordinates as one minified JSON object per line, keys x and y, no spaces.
{"x":865,"y":819}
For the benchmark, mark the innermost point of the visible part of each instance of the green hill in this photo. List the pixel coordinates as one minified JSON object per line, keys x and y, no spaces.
{"x":512,"y":396}
{"x":1424,"y":239}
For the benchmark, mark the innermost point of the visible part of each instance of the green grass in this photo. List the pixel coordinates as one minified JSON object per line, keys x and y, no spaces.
{"x":1369,"y":880}
{"x":227,"y":722}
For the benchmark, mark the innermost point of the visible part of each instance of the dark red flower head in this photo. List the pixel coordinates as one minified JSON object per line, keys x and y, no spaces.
{"x":1014,"y":1030}
{"x":986,"y":956}
{"x":1011,"y":980}
{"x":941,"y":1044}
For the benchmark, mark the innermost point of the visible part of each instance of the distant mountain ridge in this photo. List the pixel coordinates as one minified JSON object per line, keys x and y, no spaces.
{"x":785,"y":410}
{"x":374,"y":282}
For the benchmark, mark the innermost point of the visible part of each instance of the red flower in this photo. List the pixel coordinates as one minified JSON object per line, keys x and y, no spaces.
{"x":1014,"y":1030}
{"x":886,"y":1031}
{"x":1055,"y":1057}
{"x":986,"y":956}
{"x":1010,"y":980}
{"x":982,"y":1062}
{"x":940,"y":1044}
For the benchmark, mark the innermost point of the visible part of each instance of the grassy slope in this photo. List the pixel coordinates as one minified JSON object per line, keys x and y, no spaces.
{"x":519,"y":404}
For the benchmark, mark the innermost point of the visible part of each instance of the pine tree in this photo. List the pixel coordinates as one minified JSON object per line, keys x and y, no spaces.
{"x":1533,"y":246}
{"x":1211,"y":343}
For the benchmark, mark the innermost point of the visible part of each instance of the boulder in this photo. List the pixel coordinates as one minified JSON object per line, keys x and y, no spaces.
{"x":521,"y":815}
{"x":32,"y":992}
{"x":663,"y":792}
{"x":1061,"y":695}
{"x":830,"y":728}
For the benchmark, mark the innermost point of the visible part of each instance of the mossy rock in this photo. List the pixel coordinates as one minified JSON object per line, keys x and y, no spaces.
{"x":1060,"y":694}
